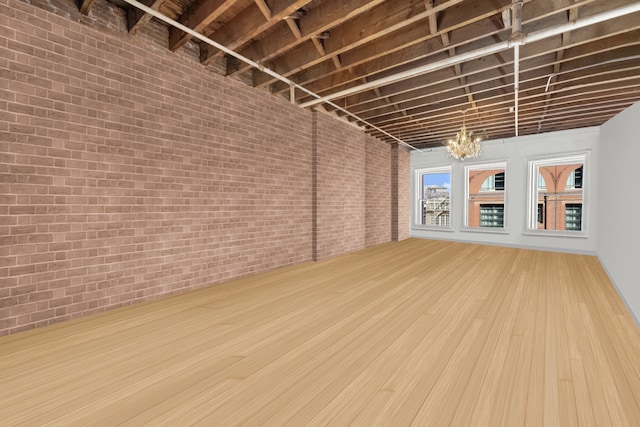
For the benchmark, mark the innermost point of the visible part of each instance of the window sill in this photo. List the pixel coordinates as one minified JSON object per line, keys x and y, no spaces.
{"x":431,"y":228}
{"x":487,"y":230}
{"x":552,"y":233}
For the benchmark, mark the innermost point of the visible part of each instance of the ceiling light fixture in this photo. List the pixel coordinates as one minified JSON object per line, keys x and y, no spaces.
{"x":464,"y":145}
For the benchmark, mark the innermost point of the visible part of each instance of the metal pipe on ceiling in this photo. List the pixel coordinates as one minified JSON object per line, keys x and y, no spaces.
{"x":293,"y":85}
{"x":478,"y":53}
{"x":599,"y":64}
{"x":516,"y":83}
{"x":517,"y":40}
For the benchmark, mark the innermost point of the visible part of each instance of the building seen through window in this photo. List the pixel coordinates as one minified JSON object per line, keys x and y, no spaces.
{"x":560,"y":197}
{"x":485,"y":188}
{"x":435,"y":202}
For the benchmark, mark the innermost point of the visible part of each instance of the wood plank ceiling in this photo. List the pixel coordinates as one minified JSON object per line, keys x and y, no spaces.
{"x":578,"y":78}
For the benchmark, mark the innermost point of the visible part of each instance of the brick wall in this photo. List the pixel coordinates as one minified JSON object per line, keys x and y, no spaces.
{"x":400,"y":192}
{"x":128,"y":172}
{"x":404,"y":193}
{"x":340,"y":187}
{"x":377,"y":191}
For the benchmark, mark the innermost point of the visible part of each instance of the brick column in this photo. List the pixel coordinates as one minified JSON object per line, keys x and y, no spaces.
{"x":400,"y":193}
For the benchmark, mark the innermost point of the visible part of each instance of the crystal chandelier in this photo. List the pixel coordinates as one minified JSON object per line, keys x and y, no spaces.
{"x":464,"y":145}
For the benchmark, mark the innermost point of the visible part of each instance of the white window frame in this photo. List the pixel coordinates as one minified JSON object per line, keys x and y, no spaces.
{"x":503,"y":164}
{"x":533,"y":166}
{"x":418,"y":197}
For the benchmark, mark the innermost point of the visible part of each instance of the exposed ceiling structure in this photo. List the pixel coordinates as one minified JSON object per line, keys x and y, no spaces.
{"x":414,"y":69}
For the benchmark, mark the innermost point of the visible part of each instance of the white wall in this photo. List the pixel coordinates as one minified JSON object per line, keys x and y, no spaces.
{"x":517,"y":151}
{"x":619,"y":207}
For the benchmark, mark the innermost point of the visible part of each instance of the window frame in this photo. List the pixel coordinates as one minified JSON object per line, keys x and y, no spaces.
{"x":419,"y":194}
{"x":531,"y":214}
{"x":500,"y":164}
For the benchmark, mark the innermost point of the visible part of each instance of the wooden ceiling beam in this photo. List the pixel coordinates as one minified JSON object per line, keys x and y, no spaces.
{"x":505,"y":131}
{"x":264,"y":8}
{"x":433,"y":18}
{"x":390,"y":53}
{"x":294,"y":26}
{"x":386,"y":55}
{"x":434,"y":56}
{"x":463,"y":80}
{"x":251,"y":23}
{"x":566,"y":37}
{"x":318,"y":20}
{"x":597,"y":97}
{"x":198,"y":16}
{"x":533,"y":92}
{"x":369,"y":40}
{"x":433,"y":27}
{"x":447,"y":120}
{"x":136,"y":18}
{"x":576,"y":96}
{"x":378,"y":93}
{"x":481,"y":74}
{"x":503,"y":121}
{"x":580,"y":46}
{"x":85,"y":6}
{"x":625,"y":45}
{"x":499,"y":104}
{"x":318,"y":41}
{"x":442,"y":94}
{"x":503,"y":128}
{"x":441,"y":99}
{"x":378,"y":22}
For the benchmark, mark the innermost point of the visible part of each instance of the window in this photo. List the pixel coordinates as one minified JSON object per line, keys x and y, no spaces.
{"x":541,"y":183}
{"x":433,"y":207}
{"x":493,"y":183}
{"x":492,"y":216}
{"x":557,"y":194}
{"x":485,"y":196}
{"x":575,"y":179}
{"x":573,"y":217}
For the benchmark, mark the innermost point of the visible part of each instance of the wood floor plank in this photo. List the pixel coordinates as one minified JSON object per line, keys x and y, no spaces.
{"x":419,"y":332}
{"x":535,"y":412}
{"x":581,"y":392}
{"x":485,"y":412}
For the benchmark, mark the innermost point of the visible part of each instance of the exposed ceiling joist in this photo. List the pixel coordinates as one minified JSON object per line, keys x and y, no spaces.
{"x":324,"y":17}
{"x":382,"y":20}
{"x":249,"y":24}
{"x":136,"y":18}
{"x":410,"y":68}
{"x":198,"y":16}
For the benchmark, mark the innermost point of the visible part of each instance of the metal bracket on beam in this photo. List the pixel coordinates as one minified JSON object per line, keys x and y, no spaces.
{"x":517,"y":38}
{"x":292,"y":93}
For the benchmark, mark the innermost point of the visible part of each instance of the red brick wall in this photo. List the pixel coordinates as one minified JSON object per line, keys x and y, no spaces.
{"x":400,"y":192}
{"x":128,"y":172}
{"x":377,"y":191}
{"x":340,"y":187}
{"x":404,"y":192}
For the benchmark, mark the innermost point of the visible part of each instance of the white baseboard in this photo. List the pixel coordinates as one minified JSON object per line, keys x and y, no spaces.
{"x":634,"y":315}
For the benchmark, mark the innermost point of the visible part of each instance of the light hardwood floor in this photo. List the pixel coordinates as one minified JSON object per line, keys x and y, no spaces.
{"x":411,"y":333}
